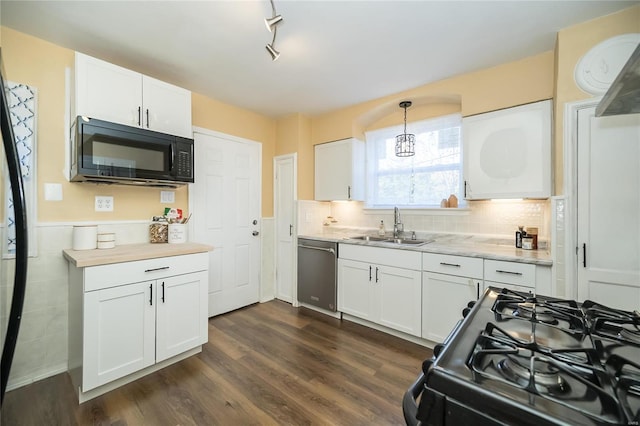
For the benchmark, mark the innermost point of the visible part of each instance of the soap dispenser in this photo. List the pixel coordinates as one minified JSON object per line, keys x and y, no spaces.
{"x":381,"y":230}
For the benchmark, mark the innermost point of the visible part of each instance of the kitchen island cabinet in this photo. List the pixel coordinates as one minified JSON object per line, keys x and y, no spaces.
{"x":112,"y":93}
{"x":382,"y":286}
{"x":128,"y":319}
{"x":339,"y":170}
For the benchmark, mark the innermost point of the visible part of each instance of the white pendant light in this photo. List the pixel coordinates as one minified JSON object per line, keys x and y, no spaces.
{"x":406,"y":142}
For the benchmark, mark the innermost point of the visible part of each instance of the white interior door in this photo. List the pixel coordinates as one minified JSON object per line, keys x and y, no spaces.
{"x":608,"y":209}
{"x":226,"y":202}
{"x":285,"y":196}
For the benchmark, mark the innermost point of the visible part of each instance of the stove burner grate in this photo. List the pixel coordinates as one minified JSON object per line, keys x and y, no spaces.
{"x":543,"y":376}
{"x":613,"y":323}
{"x":573,"y":378}
{"x":563,"y":314}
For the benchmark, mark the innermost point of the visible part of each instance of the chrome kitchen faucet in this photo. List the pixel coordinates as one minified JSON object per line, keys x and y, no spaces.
{"x":398,"y":227}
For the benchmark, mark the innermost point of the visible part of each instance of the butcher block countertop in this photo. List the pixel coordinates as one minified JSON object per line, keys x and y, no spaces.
{"x":131,"y":252}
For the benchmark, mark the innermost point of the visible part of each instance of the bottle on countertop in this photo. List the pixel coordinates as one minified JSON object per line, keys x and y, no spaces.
{"x":519,"y":234}
{"x":381,"y":230}
{"x":533,"y":233}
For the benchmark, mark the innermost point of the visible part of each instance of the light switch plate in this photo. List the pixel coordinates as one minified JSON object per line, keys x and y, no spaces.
{"x":52,"y":192}
{"x":167,"y":197}
{"x":104,"y":203}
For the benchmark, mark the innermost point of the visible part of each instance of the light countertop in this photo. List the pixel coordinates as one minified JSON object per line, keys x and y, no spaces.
{"x":131,"y":252}
{"x":454,"y":244}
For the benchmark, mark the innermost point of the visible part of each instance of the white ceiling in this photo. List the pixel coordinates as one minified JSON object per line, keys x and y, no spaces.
{"x":333,"y":53}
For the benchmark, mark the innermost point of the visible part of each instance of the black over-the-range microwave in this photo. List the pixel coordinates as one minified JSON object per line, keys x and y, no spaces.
{"x":104,"y":152}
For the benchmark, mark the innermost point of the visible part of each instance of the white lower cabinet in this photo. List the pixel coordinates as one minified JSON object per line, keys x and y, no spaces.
{"x":443,"y":299}
{"x":119,"y":333}
{"x":449,"y":283}
{"x":118,"y":327}
{"x":377,"y":292}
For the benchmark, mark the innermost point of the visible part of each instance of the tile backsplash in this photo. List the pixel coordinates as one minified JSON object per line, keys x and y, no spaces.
{"x":489,"y":217}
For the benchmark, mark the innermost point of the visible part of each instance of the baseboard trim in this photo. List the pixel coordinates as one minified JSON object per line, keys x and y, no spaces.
{"x":399,"y":334}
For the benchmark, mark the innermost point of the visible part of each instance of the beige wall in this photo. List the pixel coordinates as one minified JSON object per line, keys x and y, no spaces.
{"x":41,"y":64}
{"x":214,"y":115}
{"x":572,"y":44}
{"x":543,"y":76}
{"x":294,"y":135}
{"x":527,"y":80}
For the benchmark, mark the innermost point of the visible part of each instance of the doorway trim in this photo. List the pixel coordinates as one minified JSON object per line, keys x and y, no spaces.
{"x":570,"y":177}
{"x":294,"y":239}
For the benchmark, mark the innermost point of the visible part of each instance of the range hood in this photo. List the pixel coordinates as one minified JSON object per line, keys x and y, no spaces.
{"x":623,"y":97}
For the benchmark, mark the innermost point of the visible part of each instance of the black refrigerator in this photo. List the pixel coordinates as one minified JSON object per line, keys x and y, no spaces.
{"x":14,"y":177}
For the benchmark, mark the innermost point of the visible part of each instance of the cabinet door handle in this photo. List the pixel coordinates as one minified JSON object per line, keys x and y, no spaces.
{"x":478,"y":290}
{"x":465,"y":189}
{"x":500,"y":271}
{"x":151,"y":294}
{"x":162,"y":291}
{"x":349,"y":192}
{"x":455,"y":265}
{"x":584,"y":255}
{"x":290,"y":230}
{"x":139,"y":116}
{"x":156,"y":269}
{"x":376,"y":274}
{"x":147,"y":118}
{"x":369,"y":273}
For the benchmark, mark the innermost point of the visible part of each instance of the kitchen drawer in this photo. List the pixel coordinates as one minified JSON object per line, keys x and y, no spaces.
{"x":406,"y":259}
{"x":522,"y":274}
{"x":115,"y":274}
{"x":452,"y":265}
{"x":520,"y":288}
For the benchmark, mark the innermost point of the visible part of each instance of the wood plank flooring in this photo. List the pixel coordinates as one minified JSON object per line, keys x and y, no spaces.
{"x":264,"y":364}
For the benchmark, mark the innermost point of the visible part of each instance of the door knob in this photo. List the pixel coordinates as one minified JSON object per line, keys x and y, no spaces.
{"x":255,"y":233}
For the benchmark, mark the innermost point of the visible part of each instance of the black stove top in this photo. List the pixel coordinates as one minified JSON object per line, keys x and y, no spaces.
{"x":520,"y":359}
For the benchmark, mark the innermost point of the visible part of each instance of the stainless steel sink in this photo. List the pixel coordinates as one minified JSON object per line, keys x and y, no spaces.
{"x":411,"y":242}
{"x":370,"y":238}
{"x":399,"y":241}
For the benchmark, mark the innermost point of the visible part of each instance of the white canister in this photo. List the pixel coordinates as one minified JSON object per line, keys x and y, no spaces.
{"x":85,"y":237}
{"x":177,"y":233}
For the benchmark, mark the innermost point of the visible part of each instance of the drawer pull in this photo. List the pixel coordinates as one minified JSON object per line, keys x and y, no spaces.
{"x":156,"y":269}
{"x":500,"y":271}
{"x":450,"y":264}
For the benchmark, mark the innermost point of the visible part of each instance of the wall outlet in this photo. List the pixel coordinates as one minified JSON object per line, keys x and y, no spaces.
{"x":104,"y":203}
{"x":167,"y":197}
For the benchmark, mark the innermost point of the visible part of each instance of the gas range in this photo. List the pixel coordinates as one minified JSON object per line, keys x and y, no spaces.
{"x":532,"y":360}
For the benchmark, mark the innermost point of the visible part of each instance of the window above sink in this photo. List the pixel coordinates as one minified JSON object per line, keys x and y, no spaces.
{"x":420,"y":181}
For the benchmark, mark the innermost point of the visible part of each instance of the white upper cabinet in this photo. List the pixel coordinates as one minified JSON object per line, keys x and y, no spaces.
{"x":507,"y":153}
{"x":167,"y":108}
{"x":339,"y":170}
{"x":112,"y":93}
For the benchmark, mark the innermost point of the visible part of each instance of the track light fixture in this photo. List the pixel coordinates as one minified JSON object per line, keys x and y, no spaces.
{"x":405,"y":143}
{"x":273,"y":52}
{"x":272,"y":26}
{"x":272,"y":22}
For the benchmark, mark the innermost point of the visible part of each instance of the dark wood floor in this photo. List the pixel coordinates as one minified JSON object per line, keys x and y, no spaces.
{"x":264,"y":364}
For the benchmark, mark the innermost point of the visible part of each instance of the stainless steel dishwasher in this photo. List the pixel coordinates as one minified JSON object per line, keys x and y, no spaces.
{"x":318,"y":273}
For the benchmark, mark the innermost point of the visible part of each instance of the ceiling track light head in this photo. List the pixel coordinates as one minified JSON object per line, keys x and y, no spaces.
{"x":272,"y":22}
{"x":273,"y":52}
